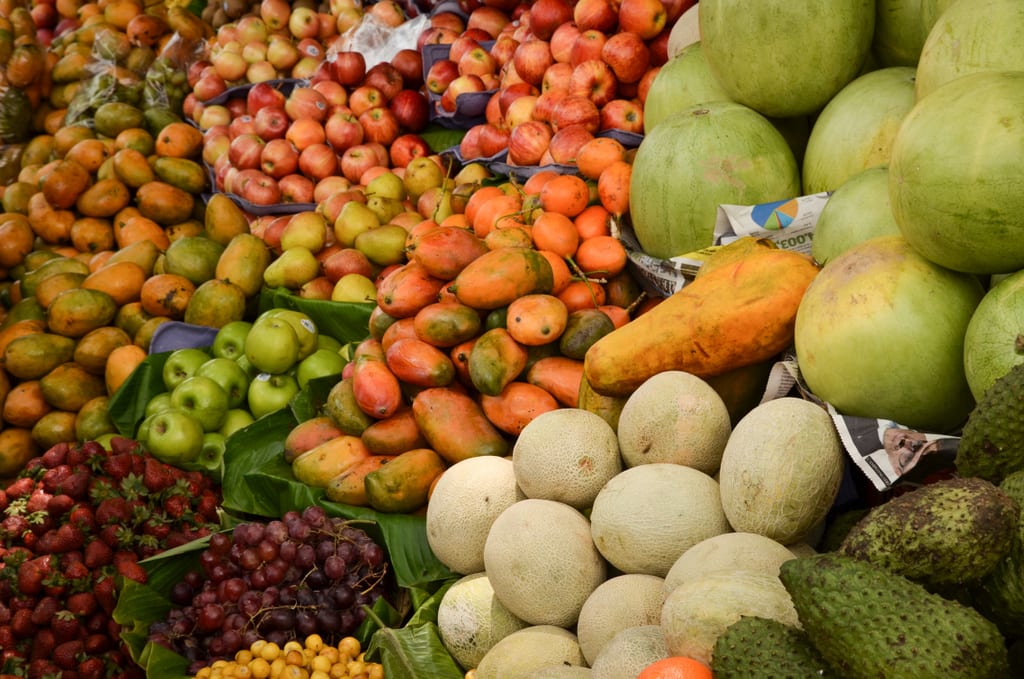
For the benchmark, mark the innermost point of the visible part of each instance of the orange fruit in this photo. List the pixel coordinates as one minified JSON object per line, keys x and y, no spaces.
{"x":582,"y":295}
{"x":566,"y":194}
{"x":676,"y":667}
{"x":179,"y":140}
{"x":602,"y":256}
{"x":613,"y":187}
{"x":561,"y":276}
{"x":597,"y":154}
{"x":593,"y":221}
{"x":537,"y":180}
{"x":555,"y":232}
{"x":120,"y":364}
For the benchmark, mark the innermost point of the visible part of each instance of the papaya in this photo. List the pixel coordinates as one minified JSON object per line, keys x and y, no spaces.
{"x":455,"y":426}
{"x":343,"y":410}
{"x":32,"y":278}
{"x":407,"y":289}
{"x":403,"y":484}
{"x":394,"y":435}
{"x":93,"y":419}
{"x":69,"y":386}
{"x":349,"y":487}
{"x":318,"y":465}
{"x":445,"y":251}
{"x":51,"y":286}
{"x":732,"y":251}
{"x":375,"y":387}
{"x":56,"y":426}
{"x":105,"y":198}
{"x":741,"y":313}
{"x":516,"y":406}
{"x":495,"y":360}
{"x":497,"y":278}
{"x":113,"y":117}
{"x":583,"y":328}
{"x":445,"y":324}
{"x":418,"y":363}
{"x":308,"y":435}
{"x":93,"y":349}
{"x":560,"y":376}
{"x":215,"y":303}
{"x":608,"y":408}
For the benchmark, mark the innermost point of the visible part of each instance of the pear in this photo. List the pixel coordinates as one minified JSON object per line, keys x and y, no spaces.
{"x":306,"y":229}
{"x":386,"y":185}
{"x":292,"y":269}
{"x":354,"y":287}
{"x":385,"y":208}
{"x":384,"y":245}
{"x":422,"y":173}
{"x":354,"y":218}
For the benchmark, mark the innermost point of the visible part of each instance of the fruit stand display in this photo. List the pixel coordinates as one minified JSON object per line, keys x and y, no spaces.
{"x":489,"y":339}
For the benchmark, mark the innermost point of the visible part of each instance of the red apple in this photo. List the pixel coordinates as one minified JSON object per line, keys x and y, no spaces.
{"x":460,"y":46}
{"x":215,"y":143}
{"x":263,"y":94}
{"x":409,"y":63}
{"x":296,"y":188}
{"x":477,"y":61}
{"x":407,"y":146}
{"x":386,"y":78}
{"x":436,"y":35}
{"x":646,"y":18}
{"x":325,"y":188}
{"x":271,"y":122}
{"x":365,"y":97}
{"x":594,"y":79}
{"x":557,"y":77}
{"x":520,"y":110}
{"x":318,"y":161}
{"x":528,"y":141}
{"x":463,"y":84}
{"x":588,"y":46}
{"x":598,"y":15}
{"x":303,"y":22}
{"x":658,"y":46}
{"x":388,"y":12}
{"x":623,"y":114}
{"x":241,"y":125}
{"x":509,"y":94}
{"x":279,"y":158}
{"x":258,"y":188}
{"x":306,"y":102}
{"x":357,"y":160}
{"x":548,"y":15}
{"x":627,"y":55}
{"x":345,"y":261}
{"x":440,"y":74}
{"x":237,"y":107}
{"x":531,"y":59}
{"x":566,"y":143}
{"x":272,"y":231}
{"x":675,"y":8}
{"x":493,"y":140}
{"x":544,"y":108}
{"x":334,"y":93}
{"x":195,"y":71}
{"x":469,"y":146}
{"x":349,"y":68}
{"x":378,"y":150}
{"x":562,"y":40}
{"x":503,"y":49}
{"x":491,"y":81}
{"x":492,"y":111}
{"x":411,"y":109}
{"x":448,"y":19}
{"x":342,"y":130}
{"x":261,"y":71}
{"x":283,"y":54}
{"x":644,"y":86}
{"x":209,"y":85}
{"x":245,"y":151}
{"x":305,"y":132}
{"x":228,"y":64}
{"x":379,"y":125}
{"x":489,"y":19}
{"x":576,"y":109}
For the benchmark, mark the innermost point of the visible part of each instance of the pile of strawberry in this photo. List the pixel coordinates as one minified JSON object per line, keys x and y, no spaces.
{"x":74,"y":523}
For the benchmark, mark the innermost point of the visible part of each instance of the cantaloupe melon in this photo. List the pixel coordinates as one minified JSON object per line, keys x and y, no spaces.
{"x":566,"y":455}
{"x":801,"y":549}
{"x":624,"y":601}
{"x":528,"y":650}
{"x":685,"y":31}
{"x":629,"y":652}
{"x":646,"y":516}
{"x":542,"y":562}
{"x":696,"y":613}
{"x":727,"y":552}
{"x":781,"y":469}
{"x":467,"y":498}
{"x":562,"y":672}
{"x":471,"y":620}
{"x":674,"y":417}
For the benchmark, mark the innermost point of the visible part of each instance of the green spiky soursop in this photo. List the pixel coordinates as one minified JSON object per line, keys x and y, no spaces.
{"x":754,"y":648}
{"x":946,"y":533}
{"x":992,"y":444}
{"x":1000,"y":595}
{"x":869,"y":622}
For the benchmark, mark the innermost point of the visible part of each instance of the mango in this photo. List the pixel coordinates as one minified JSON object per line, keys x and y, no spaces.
{"x":29,"y":357}
{"x":73,"y":313}
{"x":69,"y":386}
{"x":224,"y":220}
{"x":243,"y":261}
{"x":215,"y":303}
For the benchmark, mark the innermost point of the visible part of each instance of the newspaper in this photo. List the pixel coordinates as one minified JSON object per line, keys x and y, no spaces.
{"x":787,"y":223}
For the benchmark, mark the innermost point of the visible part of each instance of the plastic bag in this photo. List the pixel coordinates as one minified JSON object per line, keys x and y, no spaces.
{"x":15,"y":116}
{"x":377,"y":41}
{"x":166,"y":81}
{"x":108,"y":80}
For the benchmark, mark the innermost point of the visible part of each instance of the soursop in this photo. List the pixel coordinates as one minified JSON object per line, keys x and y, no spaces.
{"x":867,"y":621}
{"x":949,"y":532}
{"x":1000,"y":594}
{"x":754,"y":648}
{"x":992,"y":442}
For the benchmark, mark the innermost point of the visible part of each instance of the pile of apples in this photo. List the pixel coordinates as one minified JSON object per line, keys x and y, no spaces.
{"x":559,"y":72}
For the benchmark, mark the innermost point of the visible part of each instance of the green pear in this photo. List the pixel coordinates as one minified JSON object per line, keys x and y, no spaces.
{"x":292,"y":269}
{"x":422,"y":173}
{"x":384,"y":245}
{"x":306,"y":229}
{"x":354,"y":287}
{"x":473,"y":173}
{"x":386,"y":185}
{"x":353,"y":219}
{"x":385,"y":208}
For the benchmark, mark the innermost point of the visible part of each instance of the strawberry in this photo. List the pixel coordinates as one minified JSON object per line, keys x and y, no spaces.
{"x":63,"y":539}
{"x":77,"y":570}
{"x":106,"y":594}
{"x":118,"y":465}
{"x":42,"y":668}
{"x":74,"y":483}
{"x":21,"y":487}
{"x":81,"y":454}
{"x":98,"y":553}
{"x":65,"y":656}
{"x":127,"y":565}
{"x":56,"y":455}
{"x":113,"y":510}
{"x":82,"y":603}
{"x":82,"y":516}
{"x":119,"y":445}
{"x":14,"y":527}
{"x":60,"y":505}
{"x":4,"y":500}
{"x":7,"y":639}
{"x":97,"y":622}
{"x":98,"y":643}
{"x":21,"y":624}
{"x":43,"y":644}
{"x":32,"y":573}
{"x":91,"y":668}
{"x":92,"y":449}
{"x":44,"y":610}
{"x":176,"y":506}
{"x":65,"y":626}
{"x":38,"y":500}
{"x":156,"y":475}
{"x":207,"y":508}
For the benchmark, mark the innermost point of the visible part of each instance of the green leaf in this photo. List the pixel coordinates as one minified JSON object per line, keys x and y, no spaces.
{"x":441,"y":138}
{"x":412,"y":653}
{"x":257,"y":445}
{"x":344,"y":321}
{"x":128,"y":404}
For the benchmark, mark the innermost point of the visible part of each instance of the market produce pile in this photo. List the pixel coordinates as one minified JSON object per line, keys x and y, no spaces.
{"x":489,"y":339}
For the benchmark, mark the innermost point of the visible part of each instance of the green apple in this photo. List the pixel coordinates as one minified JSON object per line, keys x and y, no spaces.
{"x":174,"y":437}
{"x":269,"y":393}
{"x":158,"y":403}
{"x":245,"y":364}
{"x":105,"y":441}
{"x":327,"y":342}
{"x":231,"y":377}
{"x":202,"y":398}
{"x":182,"y":364}
{"x":211,"y":455}
{"x":304,"y":327}
{"x":272,"y":345}
{"x":320,"y":363}
{"x":236,"y":418}
{"x":229,"y":342}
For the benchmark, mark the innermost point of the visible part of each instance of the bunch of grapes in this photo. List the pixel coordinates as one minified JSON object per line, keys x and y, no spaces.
{"x":283,"y":580}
